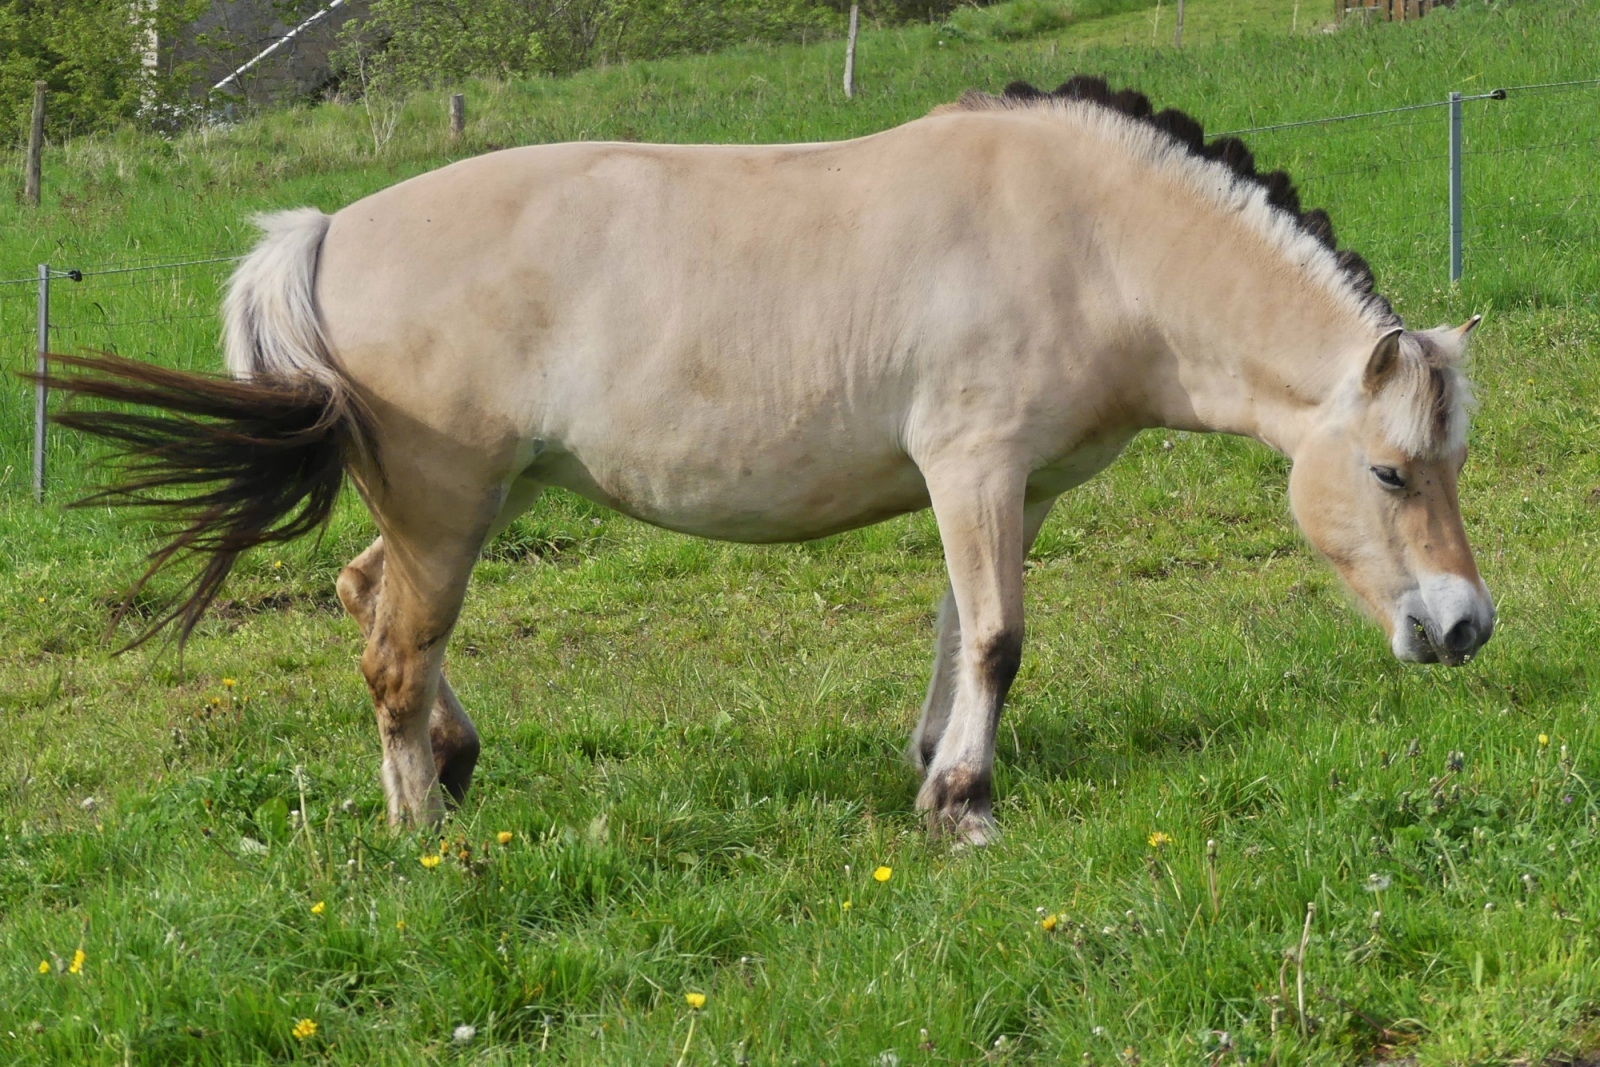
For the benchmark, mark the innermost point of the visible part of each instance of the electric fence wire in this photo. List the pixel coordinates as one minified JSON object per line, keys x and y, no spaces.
{"x":79,"y":275}
{"x":1554,"y":87}
{"x":106,"y":325}
{"x":1374,"y":165}
{"x":90,"y":290}
{"x":162,"y":266}
{"x":1505,"y":93}
{"x":1402,"y":124}
{"x":162,"y":260}
{"x":1493,"y":94}
{"x":1591,"y":142}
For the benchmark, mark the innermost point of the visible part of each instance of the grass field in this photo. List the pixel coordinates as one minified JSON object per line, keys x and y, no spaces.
{"x":696,"y":747}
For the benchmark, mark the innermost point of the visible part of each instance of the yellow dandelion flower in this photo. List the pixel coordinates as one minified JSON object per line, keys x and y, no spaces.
{"x":304,"y":1028}
{"x":400,"y":924}
{"x":319,"y":907}
{"x":695,"y":1000}
{"x":229,"y":683}
{"x":1048,"y":923}
{"x":277,"y":564}
{"x":504,"y":837}
{"x":76,"y":966}
{"x":41,"y":600}
{"x":430,"y":861}
{"x":845,"y":906}
{"x":882,"y":874}
{"x":1158,"y":839}
{"x":1544,"y":740}
{"x":44,"y":966}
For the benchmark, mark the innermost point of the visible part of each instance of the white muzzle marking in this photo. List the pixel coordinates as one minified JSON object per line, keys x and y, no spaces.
{"x":1444,"y":619}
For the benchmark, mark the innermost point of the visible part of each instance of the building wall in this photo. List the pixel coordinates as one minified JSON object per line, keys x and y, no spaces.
{"x":231,"y":32}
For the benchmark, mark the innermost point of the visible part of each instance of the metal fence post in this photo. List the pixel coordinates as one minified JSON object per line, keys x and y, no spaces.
{"x":1455,"y":187}
{"x":41,"y":364}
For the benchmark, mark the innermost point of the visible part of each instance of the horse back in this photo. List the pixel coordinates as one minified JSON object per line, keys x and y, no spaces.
{"x":675,"y":324}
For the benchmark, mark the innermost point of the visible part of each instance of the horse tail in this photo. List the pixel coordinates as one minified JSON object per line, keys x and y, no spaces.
{"x":229,"y":464}
{"x":270,"y":326}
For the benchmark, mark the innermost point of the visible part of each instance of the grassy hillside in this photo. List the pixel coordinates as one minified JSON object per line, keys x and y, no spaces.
{"x":695,"y":747}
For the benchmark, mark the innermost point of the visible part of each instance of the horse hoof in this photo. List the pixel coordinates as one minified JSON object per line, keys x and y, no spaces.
{"x":963,"y":827}
{"x":423,"y":816}
{"x":972,"y":830}
{"x":957,"y":802}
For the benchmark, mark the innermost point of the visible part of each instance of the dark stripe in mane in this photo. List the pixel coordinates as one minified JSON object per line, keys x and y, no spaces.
{"x":1229,"y":151}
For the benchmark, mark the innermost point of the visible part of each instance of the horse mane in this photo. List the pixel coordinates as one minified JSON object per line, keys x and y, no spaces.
{"x":1427,"y":399}
{"x":1231,"y":152}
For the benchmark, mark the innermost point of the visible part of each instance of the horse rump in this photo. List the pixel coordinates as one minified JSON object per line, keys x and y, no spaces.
{"x":226,"y":464}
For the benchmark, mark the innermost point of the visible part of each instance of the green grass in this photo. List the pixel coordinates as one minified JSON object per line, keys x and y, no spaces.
{"x":697,"y":746}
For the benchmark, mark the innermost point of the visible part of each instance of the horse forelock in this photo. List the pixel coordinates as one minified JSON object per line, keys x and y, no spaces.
{"x":1425,"y":403}
{"x":1223,"y":169}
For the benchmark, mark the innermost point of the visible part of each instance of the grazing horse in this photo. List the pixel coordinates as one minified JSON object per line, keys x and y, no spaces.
{"x":975,"y":311}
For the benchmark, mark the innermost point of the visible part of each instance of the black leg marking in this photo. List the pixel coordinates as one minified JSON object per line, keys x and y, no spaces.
{"x":454,"y":757}
{"x":957,"y":791}
{"x":999,"y":660}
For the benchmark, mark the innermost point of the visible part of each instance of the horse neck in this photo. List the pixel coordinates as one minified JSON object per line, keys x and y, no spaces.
{"x":1253,"y":344}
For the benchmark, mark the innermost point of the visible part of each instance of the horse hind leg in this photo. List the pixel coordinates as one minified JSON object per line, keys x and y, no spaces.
{"x":415,"y":612}
{"x":451,"y":735}
{"x":454,"y":741}
{"x":941,"y":686}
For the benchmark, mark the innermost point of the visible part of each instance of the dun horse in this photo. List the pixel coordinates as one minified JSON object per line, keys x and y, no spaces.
{"x":975,"y":311}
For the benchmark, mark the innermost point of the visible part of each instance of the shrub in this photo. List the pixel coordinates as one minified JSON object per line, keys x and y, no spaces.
{"x":91,"y":53}
{"x":403,"y":44}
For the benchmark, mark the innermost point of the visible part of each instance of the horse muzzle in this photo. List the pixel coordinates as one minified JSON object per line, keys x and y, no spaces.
{"x":1445,"y":619}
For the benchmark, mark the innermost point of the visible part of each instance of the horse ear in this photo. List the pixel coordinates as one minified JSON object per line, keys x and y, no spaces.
{"x":1385,"y":358}
{"x":1463,"y":331}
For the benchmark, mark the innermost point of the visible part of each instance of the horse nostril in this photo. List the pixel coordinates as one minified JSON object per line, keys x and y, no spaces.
{"x":1462,"y":638}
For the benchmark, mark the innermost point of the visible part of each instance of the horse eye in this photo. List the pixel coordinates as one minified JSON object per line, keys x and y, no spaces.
{"x":1389,"y":477}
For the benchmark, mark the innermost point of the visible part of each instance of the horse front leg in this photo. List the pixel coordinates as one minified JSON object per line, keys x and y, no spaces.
{"x":947,"y":653}
{"x":979,"y":508}
{"x":451,"y":735}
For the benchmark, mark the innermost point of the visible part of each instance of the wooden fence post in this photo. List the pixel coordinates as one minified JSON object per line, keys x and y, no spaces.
{"x":1177,"y":38}
{"x":458,"y":115}
{"x":30,"y":188}
{"x":850,"y":54}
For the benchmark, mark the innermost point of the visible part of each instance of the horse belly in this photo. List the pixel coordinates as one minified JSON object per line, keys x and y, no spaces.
{"x":1087,"y":458}
{"x":766,"y":495}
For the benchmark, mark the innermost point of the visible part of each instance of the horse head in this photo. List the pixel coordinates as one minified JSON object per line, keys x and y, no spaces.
{"x":1374,"y":488}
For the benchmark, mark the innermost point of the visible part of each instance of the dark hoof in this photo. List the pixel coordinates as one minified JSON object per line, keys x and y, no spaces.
{"x":958,"y":807}
{"x":963,"y":828}
{"x":454,"y":765}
